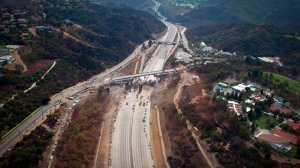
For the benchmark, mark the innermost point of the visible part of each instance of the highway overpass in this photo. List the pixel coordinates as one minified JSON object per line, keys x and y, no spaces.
{"x":127,"y":78}
{"x":163,"y":42}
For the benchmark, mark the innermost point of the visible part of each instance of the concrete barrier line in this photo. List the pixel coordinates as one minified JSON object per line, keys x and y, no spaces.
{"x":13,"y":129}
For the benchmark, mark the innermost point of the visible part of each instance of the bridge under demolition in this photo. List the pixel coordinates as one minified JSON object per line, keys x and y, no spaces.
{"x":142,"y":78}
{"x":163,"y":42}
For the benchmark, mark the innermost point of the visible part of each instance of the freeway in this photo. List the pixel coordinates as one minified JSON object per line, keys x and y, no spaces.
{"x":33,"y":120}
{"x":162,"y":53}
{"x":131,"y":144}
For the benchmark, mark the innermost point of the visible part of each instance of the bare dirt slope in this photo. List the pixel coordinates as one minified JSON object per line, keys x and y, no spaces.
{"x":181,"y":149}
{"x":79,"y":141}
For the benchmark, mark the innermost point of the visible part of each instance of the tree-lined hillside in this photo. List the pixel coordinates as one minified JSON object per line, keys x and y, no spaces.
{"x":284,"y":14}
{"x":248,"y":39}
{"x":83,"y":38}
{"x":133,"y":3}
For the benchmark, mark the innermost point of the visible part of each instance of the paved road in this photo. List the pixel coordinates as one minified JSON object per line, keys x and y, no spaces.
{"x":32,"y":121}
{"x":131,"y":143}
{"x":162,"y":53}
{"x":185,"y":41}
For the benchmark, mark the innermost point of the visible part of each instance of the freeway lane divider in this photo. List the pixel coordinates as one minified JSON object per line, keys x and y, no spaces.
{"x":16,"y":127}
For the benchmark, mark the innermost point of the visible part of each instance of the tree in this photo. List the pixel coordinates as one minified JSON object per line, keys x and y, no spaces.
{"x":252,"y":115}
{"x":258,"y":110}
{"x":253,"y":127}
{"x":248,"y":60}
{"x":45,"y":101}
{"x":257,"y":73}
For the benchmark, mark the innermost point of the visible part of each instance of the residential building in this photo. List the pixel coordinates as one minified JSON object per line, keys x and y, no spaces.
{"x":289,"y":137}
{"x":257,"y":98}
{"x":7,"y":58}
{"x":220,"y":87}
{"x":22,"y":21}
{"x":294,"y":125}
{"x":282,"y":110}
{"x":235,"y":107}
{"x":276,"y":142}
{"x":242,"y":88}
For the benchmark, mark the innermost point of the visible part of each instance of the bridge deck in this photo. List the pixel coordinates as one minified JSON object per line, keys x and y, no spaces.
{"x":129,"y":77}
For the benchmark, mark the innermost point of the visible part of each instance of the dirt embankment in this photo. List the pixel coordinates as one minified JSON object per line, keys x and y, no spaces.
{"x":181,"y":149}
{"x":194,"y":103}
{"x":132,"y":67}
{"x":77,"y":146}
{"x":38,"y":65}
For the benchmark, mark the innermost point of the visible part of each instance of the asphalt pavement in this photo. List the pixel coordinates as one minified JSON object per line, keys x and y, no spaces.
{"x":131,"y":143}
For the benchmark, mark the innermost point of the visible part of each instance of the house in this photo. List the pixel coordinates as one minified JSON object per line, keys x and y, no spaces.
{"x":257,"y":98}
{"x":7,"y":59}
{"x":294,"y":125}
{"x":282,"y":110}
{"x":235,"y":107}
{"x":222,"y":84}
{"x":276,"y":142}
{"x":43,"y":29}
{"x":13,"y":47}
{"x":68,"y":22}
{"x":289,"y":137}
{"x":242,"y":88}
{"x":220,"y":87}
{"x":22,"y":21}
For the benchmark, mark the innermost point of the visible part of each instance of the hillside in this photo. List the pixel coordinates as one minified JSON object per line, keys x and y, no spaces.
{"x":140,"y":4}
{"x":284,"y":14}
{"x":187,"y":3}
{"x":248,"y":39}
{"x":83,"y":38}
{"x":256,"y":40}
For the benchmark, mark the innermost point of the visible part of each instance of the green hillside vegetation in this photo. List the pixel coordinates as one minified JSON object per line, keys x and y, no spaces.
{"x":248,"y":39}
{"x":186,"y":3}
{"x":108,"y":34}
{"x":284,"y":14}
{"x":29,"y":151}
{"x":133,"y":3}
{"x":293,"y":37}
{"x":283,"y":81}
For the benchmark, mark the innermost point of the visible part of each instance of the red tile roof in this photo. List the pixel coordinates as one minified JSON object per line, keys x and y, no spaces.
{"x":291,"y":138}
{"x":294,"y":125}
{"x":280,"y":109}
{"x":273,"y":139}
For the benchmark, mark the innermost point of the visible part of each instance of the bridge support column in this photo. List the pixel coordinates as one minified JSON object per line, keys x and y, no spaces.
{"x":157,"y":81}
